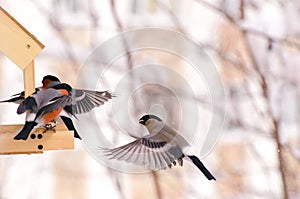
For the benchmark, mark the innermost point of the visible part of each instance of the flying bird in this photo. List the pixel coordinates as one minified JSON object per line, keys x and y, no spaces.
{"x":82,"y":101}
{"x":158,"y":150}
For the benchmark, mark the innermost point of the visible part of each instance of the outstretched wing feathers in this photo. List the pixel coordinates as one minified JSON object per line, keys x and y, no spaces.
{"x":82,"y":100}
{"x":28,"y":104}
{"x":149,"y":151}
{"x":86,"y":100}
{"x":55,"y":104}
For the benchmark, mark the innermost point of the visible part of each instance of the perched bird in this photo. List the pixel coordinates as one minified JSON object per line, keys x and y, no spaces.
{"x":48,"y":81}
{"x":19,"y":97}
{"x":82,"y":101}
{"x":43,"y":107}
{"x":158,"y":150}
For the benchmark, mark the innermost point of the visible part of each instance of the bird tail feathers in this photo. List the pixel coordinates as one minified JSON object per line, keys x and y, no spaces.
{"x":202,"y":168}
{"x":24,"y":133}
{"x":68,"y":122}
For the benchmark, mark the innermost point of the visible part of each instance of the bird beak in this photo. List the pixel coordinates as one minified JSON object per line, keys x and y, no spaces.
{"x":141,"y":121}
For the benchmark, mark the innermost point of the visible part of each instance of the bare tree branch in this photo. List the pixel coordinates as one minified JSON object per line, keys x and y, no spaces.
{"x":179,"y":26}
{"x":232,"y":21}
{"x":263,"y":83}
{"x":156,"y":184}
{"x":275,"y":122}
{"x":94,"y":22}
{"x":121,"y":29}
{"x":54,"y":23}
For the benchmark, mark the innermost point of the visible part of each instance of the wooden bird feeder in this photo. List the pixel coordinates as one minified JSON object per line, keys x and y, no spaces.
{"x":22,"y":47}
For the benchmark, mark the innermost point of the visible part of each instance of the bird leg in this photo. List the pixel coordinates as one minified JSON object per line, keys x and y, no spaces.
{"x":180,"y":160}
{"x":174,"y":163}
{"x":50,"y":126}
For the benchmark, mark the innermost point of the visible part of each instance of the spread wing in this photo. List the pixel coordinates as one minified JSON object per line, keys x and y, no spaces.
{"x":38,"y":100}
{"x":19,"y":97}
{"x":17,"y":100}
{"x":27,"y":104}
{"x":54,"y":104}
{"x":149,"y":151}
{"x":86,"y":100}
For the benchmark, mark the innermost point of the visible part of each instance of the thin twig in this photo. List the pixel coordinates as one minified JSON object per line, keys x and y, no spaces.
{"x":251,"y":31}
{"x":121,"y":29}
{"x":263,"y":83}
{"x":53,"y":22}
{"x":94,"y":22}
{"x":275,"y":123}
{"x":242,"y":9}
{"x":156,"y":184}
{"x":173,"y":16}
{"x":115,"y":176}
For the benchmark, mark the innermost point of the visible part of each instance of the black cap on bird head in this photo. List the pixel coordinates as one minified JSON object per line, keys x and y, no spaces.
{"x":47,"y":79}
{"x":145,"y":118}
{"x":51,"y":78}
{"x":64,"y":86}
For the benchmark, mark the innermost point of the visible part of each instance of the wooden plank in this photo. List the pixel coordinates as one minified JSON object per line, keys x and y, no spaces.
{"x":37,"y":142}
{"x":17,"y":43}
{"x":29,"y":79}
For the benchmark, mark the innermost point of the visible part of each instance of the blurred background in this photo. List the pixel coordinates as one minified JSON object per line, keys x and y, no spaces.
{"x":255,"y":45}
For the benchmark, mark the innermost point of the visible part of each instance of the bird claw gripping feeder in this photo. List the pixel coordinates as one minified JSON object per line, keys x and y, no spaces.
{"x":22,"y":47}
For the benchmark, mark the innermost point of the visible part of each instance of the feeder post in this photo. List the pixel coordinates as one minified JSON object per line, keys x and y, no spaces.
{"x":29,"y":80}
{"x":21,"y":47}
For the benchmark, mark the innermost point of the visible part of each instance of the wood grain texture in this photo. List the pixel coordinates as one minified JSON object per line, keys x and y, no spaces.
{"x":17,"y":43}
{"x":37,"y":141}
{"x":29,"y":79}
